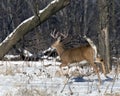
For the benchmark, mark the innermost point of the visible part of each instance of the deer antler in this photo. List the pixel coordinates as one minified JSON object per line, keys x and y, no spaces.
{"x":64,"y":35}
{"x":54,"y":35}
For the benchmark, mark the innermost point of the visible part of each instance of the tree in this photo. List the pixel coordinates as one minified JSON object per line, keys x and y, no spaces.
{"x":30,"y":24}
{"x":105,"y":27}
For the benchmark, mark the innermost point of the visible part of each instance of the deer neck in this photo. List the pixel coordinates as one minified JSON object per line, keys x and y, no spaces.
{"x":60,"y":50}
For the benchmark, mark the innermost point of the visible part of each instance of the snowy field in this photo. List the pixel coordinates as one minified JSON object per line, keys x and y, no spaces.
{"x":28,"y":78}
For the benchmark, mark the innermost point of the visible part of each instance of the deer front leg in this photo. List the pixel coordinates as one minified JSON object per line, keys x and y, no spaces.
{"x":64,"y":69}
{"x":96,"y":71}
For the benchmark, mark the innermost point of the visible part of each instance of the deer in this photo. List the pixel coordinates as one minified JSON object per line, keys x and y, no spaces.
{"x":73,"y":55}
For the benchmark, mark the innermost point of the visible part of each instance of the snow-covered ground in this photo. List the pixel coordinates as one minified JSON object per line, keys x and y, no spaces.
{"x":27,"y":78}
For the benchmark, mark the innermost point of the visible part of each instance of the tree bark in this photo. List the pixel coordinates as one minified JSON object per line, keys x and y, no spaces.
{"x":29,"y":24}
{"x":105,"y":21}
{"x":103,"y":31}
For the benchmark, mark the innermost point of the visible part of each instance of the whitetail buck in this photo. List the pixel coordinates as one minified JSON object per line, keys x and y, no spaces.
{"x":69,"y":56}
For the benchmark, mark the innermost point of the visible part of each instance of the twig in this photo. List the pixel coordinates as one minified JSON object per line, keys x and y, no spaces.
{"x":107,"y":88}
{"x":113,"y":82}
{"x":65,"y":84}
{"x":89,"y":86}
{"x":116,"y":75}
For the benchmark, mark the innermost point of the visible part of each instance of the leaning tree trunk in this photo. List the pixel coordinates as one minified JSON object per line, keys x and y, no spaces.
{"x":30,"y":24}
{"x":105,"y":20}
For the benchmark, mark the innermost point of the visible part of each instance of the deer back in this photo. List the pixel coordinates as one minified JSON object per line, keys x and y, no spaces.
{"x":77,"y":54}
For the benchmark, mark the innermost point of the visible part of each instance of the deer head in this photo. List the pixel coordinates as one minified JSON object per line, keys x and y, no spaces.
{"x":58,"y":44}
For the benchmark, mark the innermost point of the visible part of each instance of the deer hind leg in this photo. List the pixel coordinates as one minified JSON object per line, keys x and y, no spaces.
{"x":103,"y":68}
{"x":96,"y":71}
{"x":102,"y":64}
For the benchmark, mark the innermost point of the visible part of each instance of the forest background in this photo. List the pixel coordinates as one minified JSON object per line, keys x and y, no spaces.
{"x":79,"y":18}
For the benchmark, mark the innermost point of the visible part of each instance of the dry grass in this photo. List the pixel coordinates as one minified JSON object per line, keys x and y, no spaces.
{"x":112,"y":94}
{"x":26,"y":89}
{"x":30,"y":92}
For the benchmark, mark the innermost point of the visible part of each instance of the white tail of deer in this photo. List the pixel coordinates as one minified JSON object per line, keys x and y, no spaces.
{"x":69,"y":56}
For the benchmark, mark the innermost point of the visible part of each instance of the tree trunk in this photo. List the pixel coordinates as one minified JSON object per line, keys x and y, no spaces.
{"x":30,"y":24}
{"x":105,"y":21}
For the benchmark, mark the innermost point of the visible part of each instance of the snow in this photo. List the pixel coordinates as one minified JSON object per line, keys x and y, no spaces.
{"x":9,"y":57}
{"x":28,"y":78}
{"x":27,"y":53}
{"x":54,"y":1}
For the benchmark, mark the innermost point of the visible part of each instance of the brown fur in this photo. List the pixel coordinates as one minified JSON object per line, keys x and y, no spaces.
{"x":76,"y":55}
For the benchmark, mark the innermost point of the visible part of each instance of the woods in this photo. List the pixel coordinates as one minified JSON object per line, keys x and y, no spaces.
{"x":78,"y":19}
{"x":30,"y":24}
